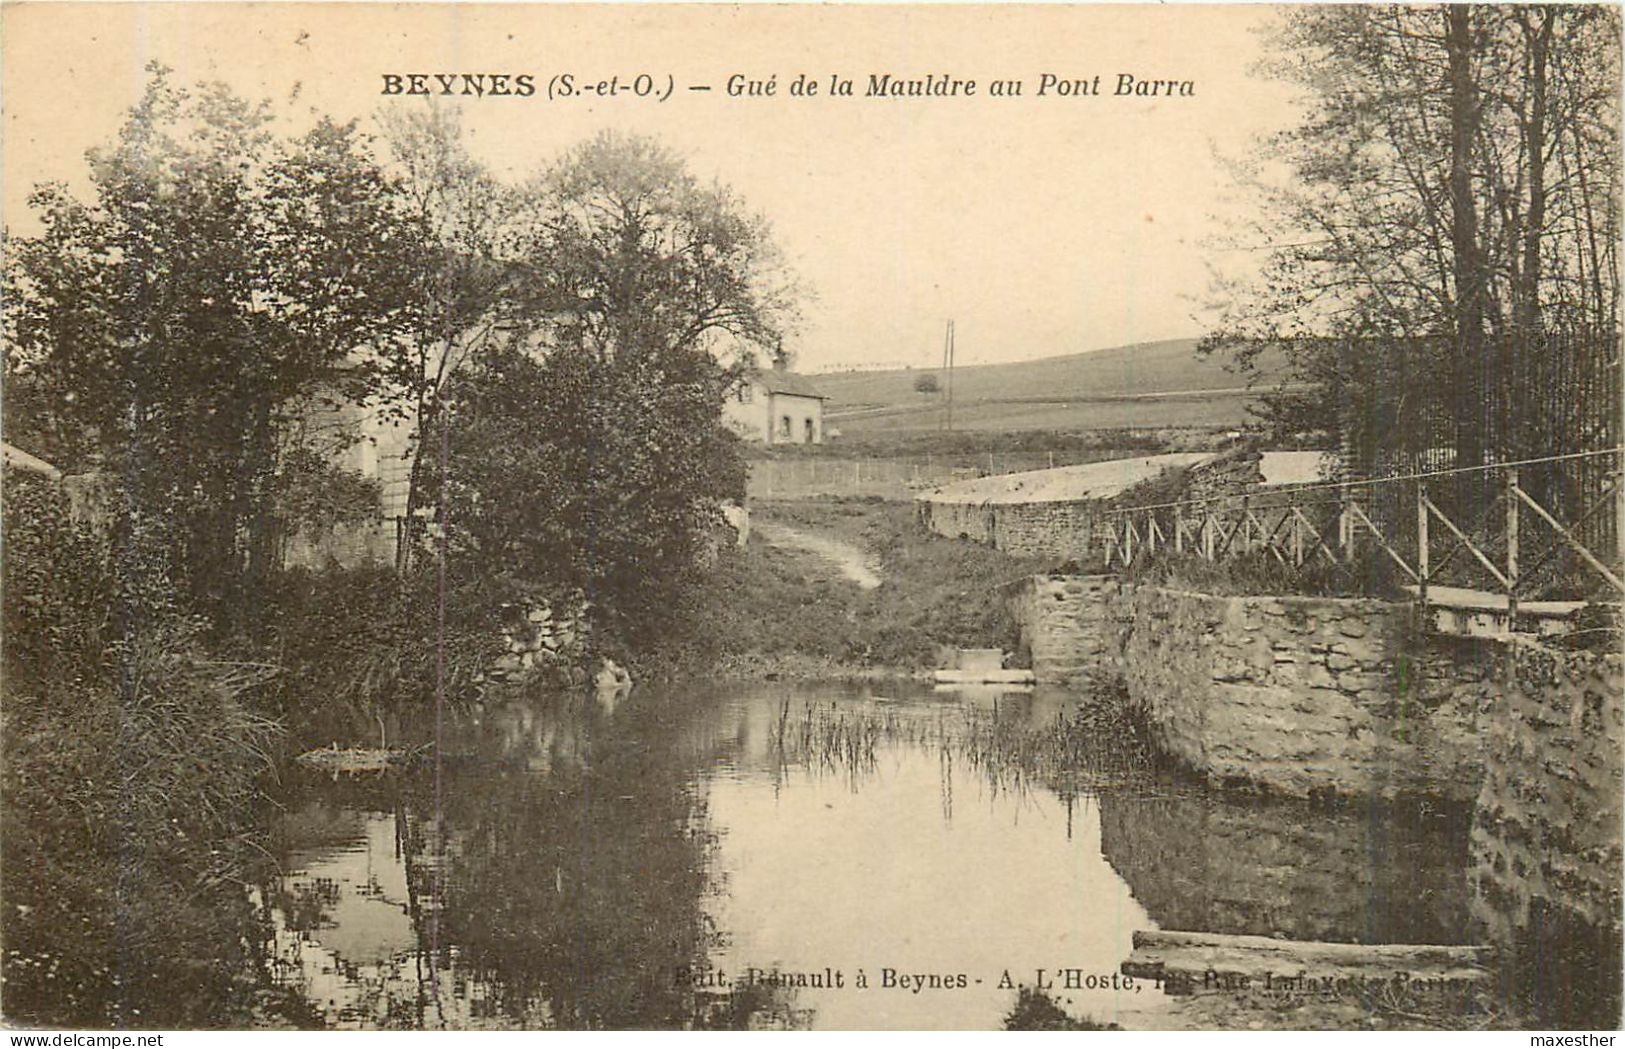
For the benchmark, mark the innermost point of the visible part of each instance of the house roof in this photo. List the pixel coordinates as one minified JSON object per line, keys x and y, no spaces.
{"x":775,"y":381}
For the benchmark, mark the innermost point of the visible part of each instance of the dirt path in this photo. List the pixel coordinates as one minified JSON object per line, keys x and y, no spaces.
{"x":853,"y":562}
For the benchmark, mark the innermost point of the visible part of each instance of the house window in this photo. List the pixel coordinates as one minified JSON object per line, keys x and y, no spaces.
{"x":746,"y":394}
{"x":784,"y":427}
{"x":809,"y":431}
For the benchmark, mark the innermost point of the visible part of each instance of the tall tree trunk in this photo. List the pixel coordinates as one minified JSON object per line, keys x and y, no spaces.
{"x":1470,"y":364}
{"x":1528,"y":314}
{"x":260,"y":526}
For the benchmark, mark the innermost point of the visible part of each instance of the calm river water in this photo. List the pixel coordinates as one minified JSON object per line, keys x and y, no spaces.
{"x":743,"y":855}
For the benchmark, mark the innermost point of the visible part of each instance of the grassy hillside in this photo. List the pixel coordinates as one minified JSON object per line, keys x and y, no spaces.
{"x":1148,"y":384}
{"x":771,"y":611}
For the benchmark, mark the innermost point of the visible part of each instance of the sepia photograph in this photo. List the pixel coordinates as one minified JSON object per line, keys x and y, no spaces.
{"x":839,"y":517}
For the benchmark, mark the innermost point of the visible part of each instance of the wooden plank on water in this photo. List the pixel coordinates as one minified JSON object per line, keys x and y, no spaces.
{"x":977,"y":677}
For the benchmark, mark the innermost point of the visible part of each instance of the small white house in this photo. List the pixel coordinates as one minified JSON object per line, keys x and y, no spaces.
{"x":777,"y":407}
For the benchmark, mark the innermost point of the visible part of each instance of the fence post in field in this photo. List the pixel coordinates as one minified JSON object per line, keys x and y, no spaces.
{"x":1207,"y":531}
{"x":1246,"y":525}
{"x":1179,"y":528}
{"x":1512,"y":547}
{"x":1422,"y":548}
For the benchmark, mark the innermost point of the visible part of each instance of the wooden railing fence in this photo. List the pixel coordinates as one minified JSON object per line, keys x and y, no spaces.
{"x":1510,"y":544}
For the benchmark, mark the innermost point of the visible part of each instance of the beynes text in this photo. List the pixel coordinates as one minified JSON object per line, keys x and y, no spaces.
{"x":476,"y":85}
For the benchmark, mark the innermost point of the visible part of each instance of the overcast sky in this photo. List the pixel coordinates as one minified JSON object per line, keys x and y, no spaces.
{"x":1042,"y":225}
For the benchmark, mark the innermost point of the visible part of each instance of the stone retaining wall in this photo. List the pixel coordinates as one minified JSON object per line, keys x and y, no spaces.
{"x":1046,"y":529}
{"x":1304,"y":695}
{"x":1067,"y":625}
{"x":1547,"y":833}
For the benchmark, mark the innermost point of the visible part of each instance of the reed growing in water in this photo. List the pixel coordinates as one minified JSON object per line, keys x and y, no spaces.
{"x":1099,"y":743}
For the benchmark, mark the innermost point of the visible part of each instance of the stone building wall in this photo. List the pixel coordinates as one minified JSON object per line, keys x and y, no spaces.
{"x":1224,"y":481}
{"x":1224,"y":475}
{"x":365,"y":544}
{"x":1065,"y":529}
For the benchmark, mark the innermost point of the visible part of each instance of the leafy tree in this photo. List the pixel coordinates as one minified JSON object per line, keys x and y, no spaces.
{"x":926,"y":383}
{"x":629,"y":256}
{"x":587,"y":449}
{"x":464,"y":289}
{"x":576,"y":474}
{"x":172,"y":330}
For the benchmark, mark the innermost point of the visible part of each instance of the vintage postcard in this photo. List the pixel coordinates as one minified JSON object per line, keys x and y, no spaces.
{"x":907,"y":517}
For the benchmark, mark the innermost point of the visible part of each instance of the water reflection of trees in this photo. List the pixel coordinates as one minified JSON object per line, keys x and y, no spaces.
{"x":557,"y":870}
{"x":580,"y":887}
{"x":565,"y":875}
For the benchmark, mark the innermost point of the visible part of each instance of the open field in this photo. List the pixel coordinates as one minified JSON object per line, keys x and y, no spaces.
{"x":1153,"y":367}
{"x":1227,"y":410}
{"x":1146,"y":385}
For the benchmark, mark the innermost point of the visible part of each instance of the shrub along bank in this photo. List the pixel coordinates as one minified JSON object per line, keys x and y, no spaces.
{"x":129,"y":776}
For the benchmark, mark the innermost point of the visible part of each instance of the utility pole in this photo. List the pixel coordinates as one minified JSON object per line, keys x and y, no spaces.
{"x":948,"y":366}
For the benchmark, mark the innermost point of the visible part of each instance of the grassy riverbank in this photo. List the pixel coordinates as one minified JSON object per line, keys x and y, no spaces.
{"x":131,"y":760}
{"x":774,"y":611}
